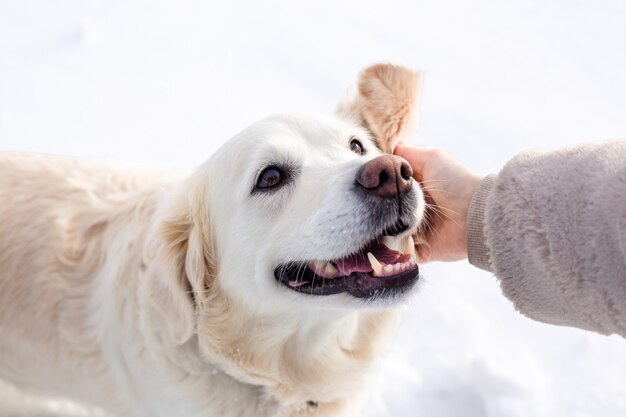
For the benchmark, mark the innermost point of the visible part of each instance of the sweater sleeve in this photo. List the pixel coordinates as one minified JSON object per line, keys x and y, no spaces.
{"x":552,"y":227}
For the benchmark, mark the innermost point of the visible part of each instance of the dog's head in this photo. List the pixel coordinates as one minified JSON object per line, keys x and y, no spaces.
{"x":300,"y":212}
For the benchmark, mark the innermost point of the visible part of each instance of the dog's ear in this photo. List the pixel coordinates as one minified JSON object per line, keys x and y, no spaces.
{"x":183,"y":268}
{"x":385,"y":103}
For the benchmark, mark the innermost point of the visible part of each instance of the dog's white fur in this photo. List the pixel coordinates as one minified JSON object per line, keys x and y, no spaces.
{"x":151,"y":296}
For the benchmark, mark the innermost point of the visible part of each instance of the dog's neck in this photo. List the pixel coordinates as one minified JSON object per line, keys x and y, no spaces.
{"x":290,"y":362}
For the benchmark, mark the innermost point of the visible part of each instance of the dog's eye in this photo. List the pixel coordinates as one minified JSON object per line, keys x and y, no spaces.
{"x":270,"y":177}
{"x":357,"y":147}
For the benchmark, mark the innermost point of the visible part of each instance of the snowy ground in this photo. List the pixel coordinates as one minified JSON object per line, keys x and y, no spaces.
{"x":167,"y":82}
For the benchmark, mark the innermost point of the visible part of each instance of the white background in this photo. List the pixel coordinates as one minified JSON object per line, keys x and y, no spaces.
{"x":167,"y":82}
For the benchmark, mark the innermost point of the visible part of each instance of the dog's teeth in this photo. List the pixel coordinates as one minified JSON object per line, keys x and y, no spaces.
{"x":331,"y":270}
{"x":392,"y":243}
{"x":318,"y":266}
{"x":388,"y":269}
{"x":409,"y":246}
{"x":376,"y":266}
{"x":324,"y":269}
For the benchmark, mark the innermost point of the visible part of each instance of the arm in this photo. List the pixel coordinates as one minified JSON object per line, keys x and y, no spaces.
{"x":552,"y":227}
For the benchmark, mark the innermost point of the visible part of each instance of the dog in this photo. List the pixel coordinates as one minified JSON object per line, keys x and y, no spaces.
{"x":266,"y":283}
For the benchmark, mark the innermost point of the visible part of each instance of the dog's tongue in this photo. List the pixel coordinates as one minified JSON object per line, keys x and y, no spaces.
{"x":360,"y":263}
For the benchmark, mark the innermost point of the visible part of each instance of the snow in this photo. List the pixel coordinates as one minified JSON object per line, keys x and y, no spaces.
{"x":167,"y":82}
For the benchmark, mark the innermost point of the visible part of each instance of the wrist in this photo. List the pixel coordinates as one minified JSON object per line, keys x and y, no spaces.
{"x":471,"y":186}
{"x":476,"y":247}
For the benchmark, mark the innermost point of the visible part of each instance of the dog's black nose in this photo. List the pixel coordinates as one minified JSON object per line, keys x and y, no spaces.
{"x":386,"y":176}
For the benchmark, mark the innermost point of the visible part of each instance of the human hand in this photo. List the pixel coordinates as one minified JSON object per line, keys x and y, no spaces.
{"x":448,"y":188}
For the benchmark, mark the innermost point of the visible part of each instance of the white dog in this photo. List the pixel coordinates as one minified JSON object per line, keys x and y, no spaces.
{"x":265,"y":284}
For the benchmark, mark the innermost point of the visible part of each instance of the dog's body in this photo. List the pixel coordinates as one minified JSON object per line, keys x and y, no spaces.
{"x":71,"y":241}
{"x":151,"y":296}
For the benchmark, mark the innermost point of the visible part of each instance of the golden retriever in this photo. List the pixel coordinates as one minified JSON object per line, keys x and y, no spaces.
{"x":264,"y":284}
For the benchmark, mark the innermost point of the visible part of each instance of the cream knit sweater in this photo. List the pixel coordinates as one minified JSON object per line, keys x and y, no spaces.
{"x":552,"y":227}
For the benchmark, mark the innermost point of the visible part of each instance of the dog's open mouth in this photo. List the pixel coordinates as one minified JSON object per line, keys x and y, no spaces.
{"x":385,"y":267}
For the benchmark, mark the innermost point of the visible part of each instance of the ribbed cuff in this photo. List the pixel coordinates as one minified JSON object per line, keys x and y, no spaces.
{"x":477,"y":250}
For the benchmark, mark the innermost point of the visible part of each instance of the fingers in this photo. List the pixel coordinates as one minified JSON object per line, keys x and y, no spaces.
{"x":423,"y":251}
{"x":417,"y":157}
{"x":423,"y":254}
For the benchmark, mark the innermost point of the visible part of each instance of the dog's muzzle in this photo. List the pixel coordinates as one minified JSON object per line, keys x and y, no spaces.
{"x":385,"y":265}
